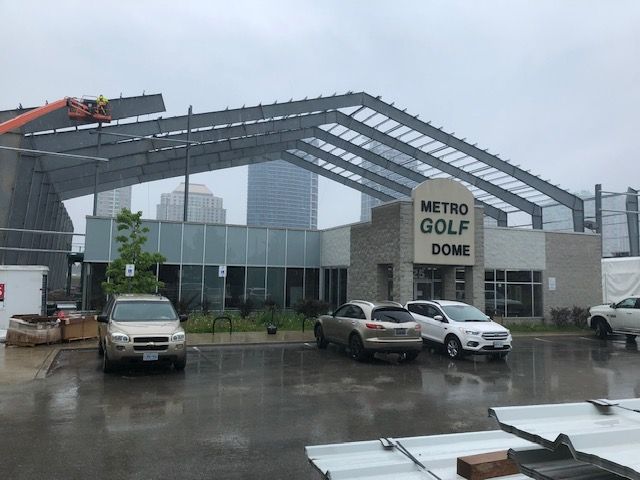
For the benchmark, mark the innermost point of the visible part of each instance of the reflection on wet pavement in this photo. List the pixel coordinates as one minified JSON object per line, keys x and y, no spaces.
{"x":247,"y":412}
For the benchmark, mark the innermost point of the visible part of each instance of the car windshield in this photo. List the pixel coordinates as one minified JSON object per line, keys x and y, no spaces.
{"x":392,"y":314}
{"x":464,"y":313}
{"x":143,"y":312}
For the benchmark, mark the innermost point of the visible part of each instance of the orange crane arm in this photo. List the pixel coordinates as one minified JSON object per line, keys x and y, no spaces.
{"x":31,"y":115}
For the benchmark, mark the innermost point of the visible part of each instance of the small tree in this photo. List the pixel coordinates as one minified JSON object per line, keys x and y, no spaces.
{"x":130,"y":249}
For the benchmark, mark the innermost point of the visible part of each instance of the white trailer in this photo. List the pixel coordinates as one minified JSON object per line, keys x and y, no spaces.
{"x":23,"y":290}
{"x":620,"y":278}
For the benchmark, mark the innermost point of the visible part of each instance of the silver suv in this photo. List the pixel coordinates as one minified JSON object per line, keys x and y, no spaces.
{"x":137,"y":328}
{"x":369,"y":327}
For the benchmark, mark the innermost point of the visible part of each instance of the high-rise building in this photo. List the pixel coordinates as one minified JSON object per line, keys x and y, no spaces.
{"x":111,"y":202}
{"x":204,"y":206}
{"x":282,"y":195}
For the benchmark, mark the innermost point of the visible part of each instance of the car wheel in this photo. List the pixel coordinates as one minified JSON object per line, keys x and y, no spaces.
{"x":357,"y":349}
{"x":601,"y":329}
{"x":107,"y":365}
{"x":100,"y":349}
{"x":409,"y":356}
{"x":631,"y":337}
{"x":180,"y":364}
{"x":321,"y":342}
{"x":453,"y":347}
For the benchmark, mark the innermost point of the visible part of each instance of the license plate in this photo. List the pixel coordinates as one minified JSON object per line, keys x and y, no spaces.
{"x":498,"y":344}
{"x":149,"y":356}
{"x":401,"y":332}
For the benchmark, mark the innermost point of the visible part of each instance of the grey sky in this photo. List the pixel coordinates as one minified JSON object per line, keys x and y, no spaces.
{"x":551,"y":85}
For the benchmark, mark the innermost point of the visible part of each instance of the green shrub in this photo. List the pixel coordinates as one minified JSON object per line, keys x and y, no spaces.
{"x":574,"y":316}
{"x":311,"y":308}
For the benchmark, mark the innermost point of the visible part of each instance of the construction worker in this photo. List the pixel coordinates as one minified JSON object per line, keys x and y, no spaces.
{"x":102,"y":104}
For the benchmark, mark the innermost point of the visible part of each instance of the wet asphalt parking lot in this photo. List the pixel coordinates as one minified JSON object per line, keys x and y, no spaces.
{"x":249,"y":411}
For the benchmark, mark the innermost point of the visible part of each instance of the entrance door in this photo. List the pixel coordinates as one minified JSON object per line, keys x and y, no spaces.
{"x":422,"y":290}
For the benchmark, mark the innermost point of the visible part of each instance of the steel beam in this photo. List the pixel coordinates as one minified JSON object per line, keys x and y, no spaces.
{"x":120,"y":108}
{"x":558,"y":194}
{"x":631,"y":204}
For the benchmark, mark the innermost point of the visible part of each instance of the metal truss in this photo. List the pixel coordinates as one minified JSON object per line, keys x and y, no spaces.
{"x":355,"y":139}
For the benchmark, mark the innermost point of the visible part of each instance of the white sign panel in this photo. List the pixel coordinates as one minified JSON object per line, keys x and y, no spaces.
{"x":552,"y":283}
{"x":222,"y":271}
{"x":444,"y":223}
{"x":129,"y":270}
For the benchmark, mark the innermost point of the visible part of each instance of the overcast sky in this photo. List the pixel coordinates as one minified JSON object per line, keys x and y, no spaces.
{"x":552,"y":85}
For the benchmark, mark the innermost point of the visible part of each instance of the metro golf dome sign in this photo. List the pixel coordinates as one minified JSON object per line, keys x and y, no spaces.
{"x":444,"y":223}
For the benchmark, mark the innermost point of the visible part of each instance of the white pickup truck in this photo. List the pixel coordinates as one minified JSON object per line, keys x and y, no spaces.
{"x":622,"y":317}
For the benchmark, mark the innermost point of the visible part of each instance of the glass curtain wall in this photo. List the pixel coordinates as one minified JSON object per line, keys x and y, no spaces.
{"x":513,"y":293}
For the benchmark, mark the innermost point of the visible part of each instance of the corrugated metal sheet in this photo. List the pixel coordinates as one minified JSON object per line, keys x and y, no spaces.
{"x":542,"y":464}
{"x":437,"y":453}
{"x":604,"y":433}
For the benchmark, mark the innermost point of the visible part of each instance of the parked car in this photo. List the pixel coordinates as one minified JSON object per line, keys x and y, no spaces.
{"x":460,"y":328}
{"x":136,"y":328}
{"x":370,"y":327}
{"x":622,"y":317}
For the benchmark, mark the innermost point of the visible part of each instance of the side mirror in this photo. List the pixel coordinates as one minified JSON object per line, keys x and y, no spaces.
{"x":102,"y":319}
{"x":438,"y":318}
{"x":183,"y":318}
{"x":613,"y":305}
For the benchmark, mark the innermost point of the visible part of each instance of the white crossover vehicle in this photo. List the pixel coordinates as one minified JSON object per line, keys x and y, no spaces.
{"x":621,"y":317}
{"x":460,"y":328}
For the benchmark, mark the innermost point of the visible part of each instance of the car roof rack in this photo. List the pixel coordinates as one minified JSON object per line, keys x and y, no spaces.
{"x":371,"y":304}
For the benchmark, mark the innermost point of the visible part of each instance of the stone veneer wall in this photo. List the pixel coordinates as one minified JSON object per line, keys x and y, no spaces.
{"x":386,"y":240}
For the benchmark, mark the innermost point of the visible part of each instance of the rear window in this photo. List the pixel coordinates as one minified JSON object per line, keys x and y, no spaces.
{"x":392,"y":314}
{"x":143,"y":312}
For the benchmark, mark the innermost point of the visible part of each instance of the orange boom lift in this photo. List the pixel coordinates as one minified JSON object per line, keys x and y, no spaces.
{"x":83,"y":110}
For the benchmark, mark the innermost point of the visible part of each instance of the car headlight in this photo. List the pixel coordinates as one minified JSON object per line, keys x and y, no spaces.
{"x":118,"y":337}
{"x":177,"y":337}
{"x":470,"y":332}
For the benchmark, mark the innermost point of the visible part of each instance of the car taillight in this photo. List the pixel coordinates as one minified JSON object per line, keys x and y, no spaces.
{"x":374,"y":326}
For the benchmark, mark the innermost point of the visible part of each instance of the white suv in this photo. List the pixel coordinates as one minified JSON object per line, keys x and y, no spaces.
{"x":460,"y":328}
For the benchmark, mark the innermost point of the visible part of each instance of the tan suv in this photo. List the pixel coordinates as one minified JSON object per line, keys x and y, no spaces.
{"x":137,"y":328}
{"x":368,"y":327}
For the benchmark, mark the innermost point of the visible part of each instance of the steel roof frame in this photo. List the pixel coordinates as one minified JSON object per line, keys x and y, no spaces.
{"x":281,"y":119}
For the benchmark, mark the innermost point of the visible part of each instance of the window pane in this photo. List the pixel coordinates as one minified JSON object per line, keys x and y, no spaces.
{"x":295,"y":248}
{"x":276,"y":250}
{"x":327,"y":285}
{"x":537,"y":277}
{"x":170,"y":240}
{"x":437,"y":290}
{"x":236,"y":245}
{"x":257,"y":247}
{"x":519,"y":302}
{"x":215,"y":247}
{"x":519,"y":276}
{"x":312,"y":255}
{"x":234,"y":292}
{"x":499,"y":275}
{"x":489,"y":275}
{"x":500,"y":302}
{"x":460,"y":274}
{"x":343,"y":286}
{"x":169,"y":275}
{"x":256,"y":291}
{"x":191,"y":291}
{"x":97,"y":240}
{"x":295,"y":290}
{"x":151,"y":245}
{"x":312,"y":283}
{"x":213,"y":287}
{"x":98,"y":274}
{"x":537,"y":300}
{"x":489,"y":299}
{"x":275,"y":285}
{"x":193,"y":246}
{"x":333,"y":297}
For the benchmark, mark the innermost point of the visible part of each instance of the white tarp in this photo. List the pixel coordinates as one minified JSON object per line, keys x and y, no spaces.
{"x":620,"y":278}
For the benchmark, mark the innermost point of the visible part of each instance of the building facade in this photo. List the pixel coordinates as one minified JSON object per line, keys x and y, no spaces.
{"x":111,"y":202}
{"x":204,"y":206}
{"x":280,"y":194}
{"x":433,"y":246}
